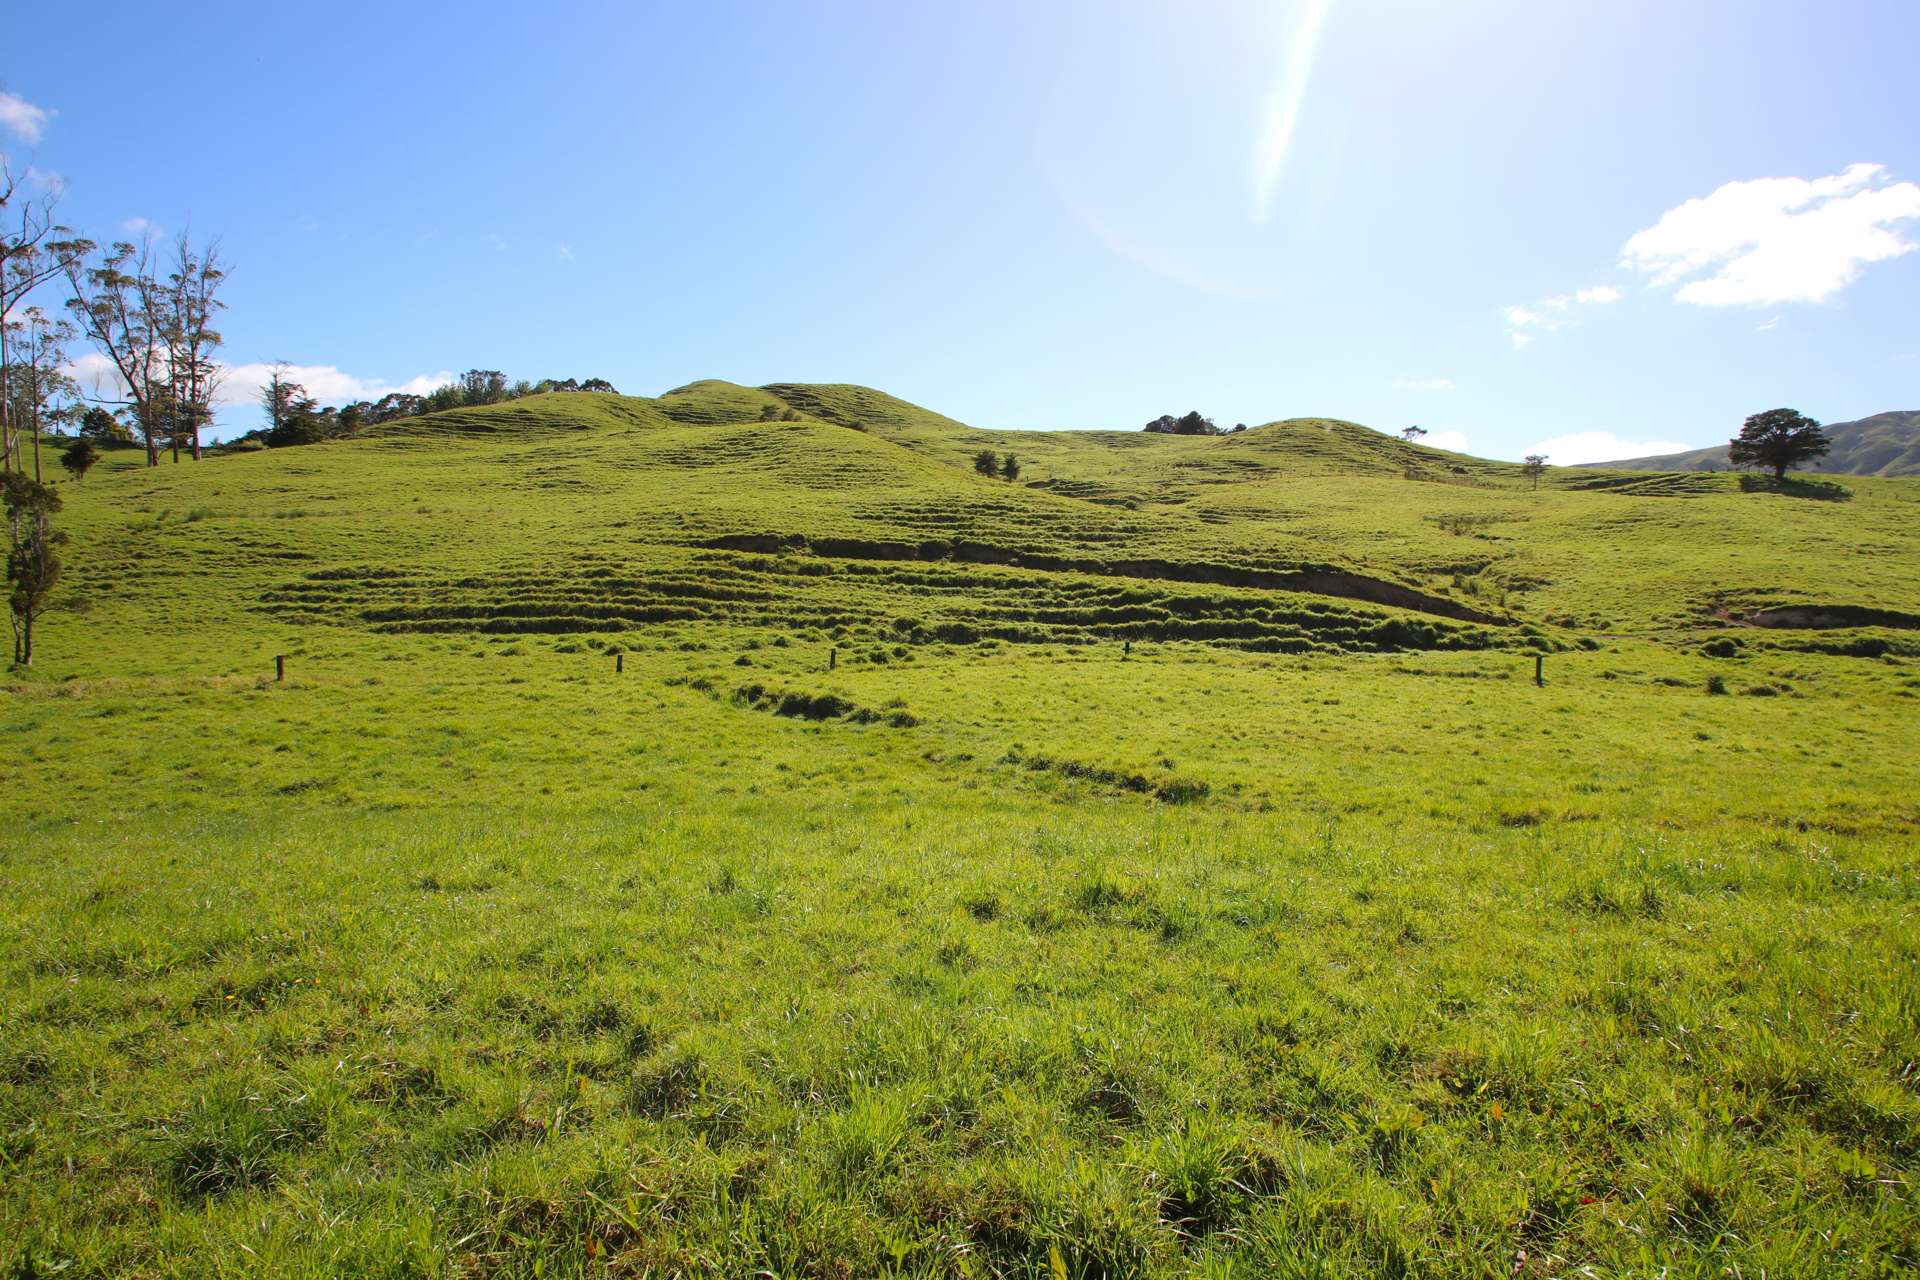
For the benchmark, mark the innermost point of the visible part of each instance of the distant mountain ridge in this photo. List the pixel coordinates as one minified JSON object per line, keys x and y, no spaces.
{"x":1887,"y":444}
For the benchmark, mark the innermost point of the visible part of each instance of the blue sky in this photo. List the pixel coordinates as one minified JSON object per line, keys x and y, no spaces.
{"x":1473,"y":216}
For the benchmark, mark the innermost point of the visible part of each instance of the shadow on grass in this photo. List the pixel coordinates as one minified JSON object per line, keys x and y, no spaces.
{"x":1822,"y":490}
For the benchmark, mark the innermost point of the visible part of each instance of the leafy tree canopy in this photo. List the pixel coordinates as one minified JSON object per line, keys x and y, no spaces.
{"x":1187,"y":424}
{"x":1777,"y":440}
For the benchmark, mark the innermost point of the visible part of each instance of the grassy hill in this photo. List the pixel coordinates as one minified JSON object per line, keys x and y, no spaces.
{"x":1887,"y":444}
{"x":692,"y":844}
{"x":865,"y":519}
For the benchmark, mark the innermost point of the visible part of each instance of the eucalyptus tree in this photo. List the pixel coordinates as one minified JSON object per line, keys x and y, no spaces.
{"x":38,"y":390}
{"x":189,"y":302}
{"x":153,"y":322}
{"x":34,"y":248}
{"x":116,"y":304}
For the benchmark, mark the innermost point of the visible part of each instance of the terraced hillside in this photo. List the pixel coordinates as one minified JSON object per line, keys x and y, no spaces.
{"x":863,"y":523}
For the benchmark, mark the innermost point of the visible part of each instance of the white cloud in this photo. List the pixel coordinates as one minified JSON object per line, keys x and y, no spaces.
{"x":95,"y":374}
{"x":24,"y":120}
{"x":566,"y":251}
{"x":1556,"y":312}
{"x":1602,"y":446}
{"x":241,"y":384}
{"x":1770,"y":323}
{"x":1424,"y":384}
{"x":51,"y":181}
{"x":1775,"y":240}
{"x":137,"y":226}
{"x":324,"y":382}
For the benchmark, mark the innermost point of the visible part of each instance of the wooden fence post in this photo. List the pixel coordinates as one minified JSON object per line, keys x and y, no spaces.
{"x":279,"y":666}
{"x":1540,"y":670}
{"x":619,"y":663}
{"x":833,"y":657}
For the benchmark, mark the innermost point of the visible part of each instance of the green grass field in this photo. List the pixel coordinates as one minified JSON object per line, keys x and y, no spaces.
{"x":1177,"y":872}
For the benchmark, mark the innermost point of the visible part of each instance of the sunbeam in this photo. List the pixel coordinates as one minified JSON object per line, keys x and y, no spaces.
{"x":1283,"y":105}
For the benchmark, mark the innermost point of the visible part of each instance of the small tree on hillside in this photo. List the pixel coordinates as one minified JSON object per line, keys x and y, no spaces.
{"x":302,"y":421}
{"x":1190,"y":423}
{"x":278,"y":394}
{"x":1778,"y":439}
{"x":33,"y":557}
{"x":482,"y":386}
{"x":395,"y":404}
{"x":1535,"y":464}
{"x":1009,"y":468}
{"x":78,"y":458}
{"x":100,"y":426}
{"x":1411,"y":434}
{"x":985,"y":463}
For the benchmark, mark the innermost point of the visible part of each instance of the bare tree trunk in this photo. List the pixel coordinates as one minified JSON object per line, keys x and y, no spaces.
{"x":6,"y":397}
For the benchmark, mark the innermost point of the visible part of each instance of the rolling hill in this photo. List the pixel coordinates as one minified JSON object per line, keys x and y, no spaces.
{"x":1887,"y":444}
{"x":593,"y":514}
{"x":723,"y":833}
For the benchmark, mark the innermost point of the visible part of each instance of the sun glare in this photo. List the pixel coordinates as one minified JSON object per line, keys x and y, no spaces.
{"x":1284,"y":101}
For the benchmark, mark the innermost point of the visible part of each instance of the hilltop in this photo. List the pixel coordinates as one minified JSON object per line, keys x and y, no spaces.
{"x":1887,"y":444}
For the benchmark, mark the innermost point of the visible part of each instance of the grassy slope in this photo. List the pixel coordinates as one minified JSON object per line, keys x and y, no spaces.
{"x":561,"y":489}
{"x":458,"y":954}
{"x":1887,"y":444}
